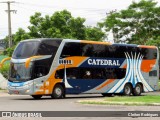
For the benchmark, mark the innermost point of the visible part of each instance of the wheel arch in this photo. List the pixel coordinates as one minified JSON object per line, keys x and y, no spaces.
{"x":60,"y":83}
{"x":129,"y":84}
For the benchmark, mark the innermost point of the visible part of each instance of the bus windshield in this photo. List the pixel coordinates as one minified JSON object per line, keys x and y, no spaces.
{"x":18,"y":72}
{"x":26,"y":49}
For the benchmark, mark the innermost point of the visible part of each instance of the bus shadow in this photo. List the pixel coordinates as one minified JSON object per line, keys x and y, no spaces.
{"x":72,"y":97}
{"x":66,"y":98}
{"x":83,"y":97}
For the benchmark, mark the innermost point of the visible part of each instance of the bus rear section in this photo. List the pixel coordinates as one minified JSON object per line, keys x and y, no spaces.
{"x":58,"y":67}
{"x":109,"y":68}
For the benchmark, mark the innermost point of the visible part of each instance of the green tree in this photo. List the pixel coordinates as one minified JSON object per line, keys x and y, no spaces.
{"x":77,"y":28}
{"x":155,"y":42}
{"x":62,"y":25}
{"x":95,"y":34}
{"x":20,"y":35}
{"x":138,"y":23}
{"x":17,"y":37}
{"x":35,"y":21}
{"x":59,"y":25}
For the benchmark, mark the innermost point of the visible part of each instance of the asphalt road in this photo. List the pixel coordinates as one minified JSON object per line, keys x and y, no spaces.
{"x":27,"y":103}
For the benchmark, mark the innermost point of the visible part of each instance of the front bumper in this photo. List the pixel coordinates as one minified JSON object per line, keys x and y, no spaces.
{"x":20,"y":89}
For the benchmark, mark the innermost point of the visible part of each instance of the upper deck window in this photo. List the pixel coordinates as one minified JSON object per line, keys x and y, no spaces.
{"x":48,"y":47}
{"x":107,"y":51}
{"x":26,"y":49}
{"x":71,"y":49}
{"x":30,"y":48}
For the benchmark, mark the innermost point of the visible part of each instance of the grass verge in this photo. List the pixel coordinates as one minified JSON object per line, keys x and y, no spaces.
{"x":2,"y":90}
{"x":124,"y":100}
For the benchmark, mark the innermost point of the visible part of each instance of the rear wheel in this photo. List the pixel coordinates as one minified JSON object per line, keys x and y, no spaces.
{"x":127,"y":90}
{"x":137,"y":90}
{"x":58,"y":92}
{"x":37,"y":96}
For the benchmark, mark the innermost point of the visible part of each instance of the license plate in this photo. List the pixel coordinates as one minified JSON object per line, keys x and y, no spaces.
{"x":15,"y":92}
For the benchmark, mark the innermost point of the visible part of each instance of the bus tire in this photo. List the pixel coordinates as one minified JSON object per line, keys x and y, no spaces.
{"x":107,"y":95}
{"x":127,"y":90}
{"x":37,"y":96}
{"x":137,"y":90}
{"x":58,"y":92}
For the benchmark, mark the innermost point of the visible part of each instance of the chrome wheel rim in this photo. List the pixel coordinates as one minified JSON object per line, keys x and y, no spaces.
{"x":127,"y":90}
{"x":138,"y":89}
{"x":58,"y":91}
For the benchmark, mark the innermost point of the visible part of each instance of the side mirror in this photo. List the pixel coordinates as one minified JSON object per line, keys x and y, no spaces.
{"x":3,"y":61}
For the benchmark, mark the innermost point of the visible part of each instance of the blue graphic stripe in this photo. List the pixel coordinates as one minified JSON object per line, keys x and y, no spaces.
{"x":128,"y":71}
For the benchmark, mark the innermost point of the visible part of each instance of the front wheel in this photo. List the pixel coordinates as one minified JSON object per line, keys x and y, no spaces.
{"x":37,"y":96}
{"x":127,"y":90}
{"x":58,"y":92}
{"x":137,"y":90}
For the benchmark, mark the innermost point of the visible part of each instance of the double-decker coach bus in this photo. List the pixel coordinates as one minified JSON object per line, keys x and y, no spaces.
{"x":57,"y":67}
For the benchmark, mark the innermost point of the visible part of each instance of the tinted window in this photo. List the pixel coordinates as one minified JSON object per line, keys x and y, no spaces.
{"x":93,"y":50}
{"x":26,"y":49}
{"x":91,"y":73}
{"x":121,"y":50}
{"x":40,"y":70}
{"x":148,"y":53}
{"x":109,"y":51}
{"x":48,"y":47}
{"x":71,"y":49}
{"x":115,"y":73}
{"x":88,"y":50}
{"x":153,"y":73}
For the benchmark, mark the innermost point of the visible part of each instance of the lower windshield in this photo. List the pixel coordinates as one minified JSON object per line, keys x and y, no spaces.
{"x":26,"y":49}
{"x":18,"y":72}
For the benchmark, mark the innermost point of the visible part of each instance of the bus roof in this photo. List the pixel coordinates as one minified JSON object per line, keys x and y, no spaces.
{"x":90,"y":42}
{"x":41,"y":39}
{"x":130,"y":45}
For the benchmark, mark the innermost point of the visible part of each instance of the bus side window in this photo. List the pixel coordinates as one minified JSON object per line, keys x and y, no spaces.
{"x":153,"y":73}
{"x":71,"y":49}
{"x":115,"y":73}
{"x":59,"y":74}
{"x":91,"y":73}
{"x":72,"y":73}
{"x":87,"y":75}
{"x":40,"y":71}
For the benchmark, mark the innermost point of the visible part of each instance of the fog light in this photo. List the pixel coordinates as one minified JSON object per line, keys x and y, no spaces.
{"x":27,"y":91}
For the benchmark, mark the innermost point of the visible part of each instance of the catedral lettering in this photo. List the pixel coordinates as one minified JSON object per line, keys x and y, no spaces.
{"x":103,"y":62}
{"x":56,"y":67}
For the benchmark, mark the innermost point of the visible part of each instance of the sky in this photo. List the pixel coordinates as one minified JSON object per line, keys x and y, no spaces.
{"x":92,"y":10}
